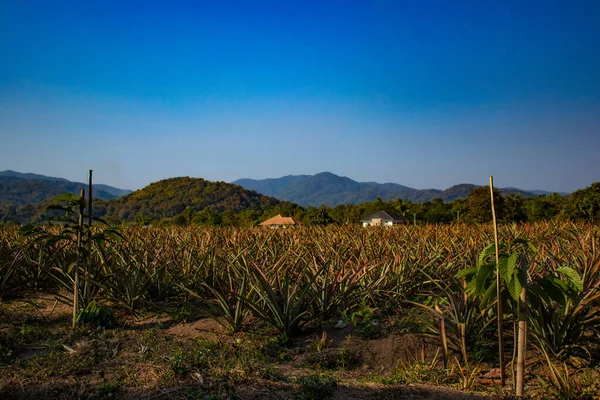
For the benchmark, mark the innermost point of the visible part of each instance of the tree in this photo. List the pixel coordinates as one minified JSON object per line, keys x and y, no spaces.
{"x":546,"y":207}
{"x":587,"y":201}
{"x":479,"y":205}
{"x":437,"y":211}
{"x":459,"y":209}
{"x":514,"y":208}
{"x":320,"y":217}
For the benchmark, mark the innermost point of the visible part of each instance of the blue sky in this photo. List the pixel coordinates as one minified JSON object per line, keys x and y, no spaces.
{"x":421,"y":93}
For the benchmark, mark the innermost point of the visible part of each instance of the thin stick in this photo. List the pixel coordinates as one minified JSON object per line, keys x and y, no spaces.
{"x":522,"y":343}
{"x":498,"y":289}
{"x":76,"y":283}
{"x":88,"y":267}
{"x":90,"y":200}
{"x":513,"y":364}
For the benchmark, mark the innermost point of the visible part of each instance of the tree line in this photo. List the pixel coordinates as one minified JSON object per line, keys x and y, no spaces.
{"x":475,"y":208}
{"x":583,"y":204}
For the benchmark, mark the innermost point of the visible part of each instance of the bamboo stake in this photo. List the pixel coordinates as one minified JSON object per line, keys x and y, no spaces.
{"x":513,"y":361}
{"x":77,"y":261}
{"x":498,"y":289}
{"x":522,"y":343}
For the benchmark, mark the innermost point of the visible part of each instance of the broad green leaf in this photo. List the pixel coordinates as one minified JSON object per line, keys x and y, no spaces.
{"x":511,"y":264}
{"x":519,"y":281}
{"x":60,"y":208}
{"x":503,"y":269}
{"x":471,"y":286}
{"x":562,"y":285}
{"x":536,"y":294}
{"x":466,"y":272}
{"x":572,"y":276}
{"x":488,"y":251}
{"x":488,"y":296}
{"x":553,"y":292}
{"x":483,"y":274}
{"x":70,"y":197}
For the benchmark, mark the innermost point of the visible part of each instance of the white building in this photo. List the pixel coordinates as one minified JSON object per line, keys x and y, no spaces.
{"x":382,"y":218}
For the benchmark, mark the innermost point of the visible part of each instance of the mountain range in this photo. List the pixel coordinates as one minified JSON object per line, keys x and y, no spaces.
{"x":306,"y":190}
{"x":330,"y":189}
{"x":24,"y":197}
{"x":26,"y":188}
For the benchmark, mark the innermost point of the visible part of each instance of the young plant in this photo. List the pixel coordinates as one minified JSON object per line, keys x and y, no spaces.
{"x":283,"y":301}
{"x":96,"y":315}
{"x":230,"y":306}
{"x":73,"y":234}
{"x":457,"y":320}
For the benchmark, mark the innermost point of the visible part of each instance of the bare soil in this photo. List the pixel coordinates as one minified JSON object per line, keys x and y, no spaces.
{"x":154,"y":356}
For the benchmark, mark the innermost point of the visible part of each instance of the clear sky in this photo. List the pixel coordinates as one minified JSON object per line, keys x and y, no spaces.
{"x":421,"y":93}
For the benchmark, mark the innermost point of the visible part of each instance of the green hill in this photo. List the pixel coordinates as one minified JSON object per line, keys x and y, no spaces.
{"x":170,"y":197}
{"x":21,"y":191}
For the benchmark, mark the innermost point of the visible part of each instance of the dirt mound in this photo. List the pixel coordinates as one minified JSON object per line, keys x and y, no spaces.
{"x":386,"y":352}
{"x":206,"y":328}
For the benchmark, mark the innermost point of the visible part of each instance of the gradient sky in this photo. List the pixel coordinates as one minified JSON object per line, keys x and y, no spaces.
{"x":421,"y":93}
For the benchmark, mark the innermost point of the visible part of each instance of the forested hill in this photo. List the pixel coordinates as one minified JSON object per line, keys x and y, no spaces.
{"x":171,"y":197}
{"x":104,"y":192}
{"x":21,"y":191}
{"x":330,"y":189}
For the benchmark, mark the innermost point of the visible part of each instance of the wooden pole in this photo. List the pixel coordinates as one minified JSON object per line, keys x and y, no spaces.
{"x":78,"y":259}
{"x":90,"y":200}
{"x":498,"y":289}
{"x":88,"y":266}
{"x":522,"y":343}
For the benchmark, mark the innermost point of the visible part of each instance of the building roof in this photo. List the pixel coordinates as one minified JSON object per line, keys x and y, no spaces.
{"x":384,"y":216}
{"x":279,"y":220}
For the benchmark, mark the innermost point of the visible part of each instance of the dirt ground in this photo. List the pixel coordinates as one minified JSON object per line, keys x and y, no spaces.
{"x":160,"y":355}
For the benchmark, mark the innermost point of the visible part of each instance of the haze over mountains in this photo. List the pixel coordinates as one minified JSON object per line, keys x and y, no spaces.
{"x":330,"y":189}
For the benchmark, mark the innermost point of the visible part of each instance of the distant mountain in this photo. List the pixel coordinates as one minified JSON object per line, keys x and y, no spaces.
{"x":21,"y":175}
{"x":34,"y":191}
{"x":330,"y":189}
{"x":170,"y":197}
{"x":271,"y":186}
{"x":103,"y":192}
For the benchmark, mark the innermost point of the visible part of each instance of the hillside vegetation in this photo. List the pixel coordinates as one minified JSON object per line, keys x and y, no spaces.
{"x":171,"y":197}
{"x":195,"y":201}
{"x":34,"y":191}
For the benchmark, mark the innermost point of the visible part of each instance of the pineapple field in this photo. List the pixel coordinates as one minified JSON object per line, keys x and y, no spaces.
{"x":300,"y":313}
